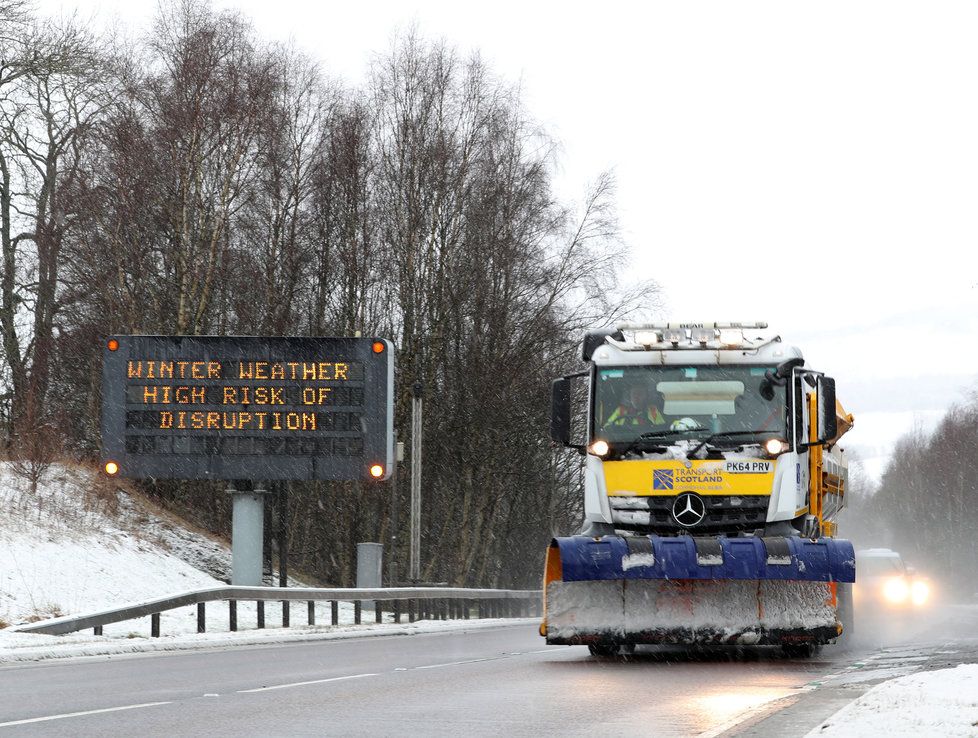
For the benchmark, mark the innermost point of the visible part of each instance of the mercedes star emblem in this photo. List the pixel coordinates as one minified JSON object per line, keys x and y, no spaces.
{"x":688,"y":509}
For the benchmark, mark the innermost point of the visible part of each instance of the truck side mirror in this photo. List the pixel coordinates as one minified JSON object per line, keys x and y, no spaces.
{"x":827,"y":418}
{"x":778,"y":377}
{"x":560,"y":411}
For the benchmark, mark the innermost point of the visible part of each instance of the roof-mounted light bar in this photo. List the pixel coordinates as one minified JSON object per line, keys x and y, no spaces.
{"x":758,"y":325}
{"x":685,"y":335}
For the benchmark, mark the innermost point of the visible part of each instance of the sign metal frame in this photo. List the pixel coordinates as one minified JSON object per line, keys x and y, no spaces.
{"x":302,"y":457}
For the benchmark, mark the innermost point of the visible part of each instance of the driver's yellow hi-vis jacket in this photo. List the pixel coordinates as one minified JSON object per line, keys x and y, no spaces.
{"x":627,"y":415}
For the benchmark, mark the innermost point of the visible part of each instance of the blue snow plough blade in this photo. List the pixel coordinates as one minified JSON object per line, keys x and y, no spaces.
{"x":686,"y":557}
{"x":685,"y":589}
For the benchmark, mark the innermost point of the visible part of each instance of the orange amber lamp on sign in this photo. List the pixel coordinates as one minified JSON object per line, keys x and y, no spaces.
{"x":378,"y":347}
{"x":113,"y":344}
{"x":377,"y":471}
{"x":111,"y":468}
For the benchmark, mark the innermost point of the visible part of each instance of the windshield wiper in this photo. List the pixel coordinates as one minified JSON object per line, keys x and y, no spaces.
{"x":725,"y":434}
{"x":668,"y":432}
{"x":649,"y":435}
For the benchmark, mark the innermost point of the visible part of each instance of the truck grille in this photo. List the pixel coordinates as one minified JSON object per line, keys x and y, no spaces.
{"x":723,"y":513}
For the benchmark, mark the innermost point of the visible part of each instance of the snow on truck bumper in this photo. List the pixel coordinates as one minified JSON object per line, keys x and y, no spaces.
{"x":662,"y":611}
{"x":651,"y":589}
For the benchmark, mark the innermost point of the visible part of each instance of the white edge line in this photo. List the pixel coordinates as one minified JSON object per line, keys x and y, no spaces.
{"x":302,"y":684}
{"x":80,"y":714}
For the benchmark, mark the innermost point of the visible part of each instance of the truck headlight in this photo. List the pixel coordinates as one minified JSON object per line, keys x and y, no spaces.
{"x":775,"y":446}
{"x":599,"y":448}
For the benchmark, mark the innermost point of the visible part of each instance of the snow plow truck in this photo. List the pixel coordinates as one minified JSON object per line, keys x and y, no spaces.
{"x":712,"y":483}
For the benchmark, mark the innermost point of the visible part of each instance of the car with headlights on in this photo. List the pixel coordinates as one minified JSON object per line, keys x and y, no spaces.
{"x":885,"y":584}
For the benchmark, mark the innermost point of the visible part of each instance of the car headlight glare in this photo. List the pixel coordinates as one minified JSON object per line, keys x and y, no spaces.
{"x":896,"y":591}
{"x":919,"y":592}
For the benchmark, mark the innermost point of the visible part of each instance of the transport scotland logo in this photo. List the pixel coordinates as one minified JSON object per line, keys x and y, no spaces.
{"x":662,"y":479}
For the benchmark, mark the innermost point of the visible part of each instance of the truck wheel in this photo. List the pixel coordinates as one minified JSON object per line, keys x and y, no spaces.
{"x":799,"y":650}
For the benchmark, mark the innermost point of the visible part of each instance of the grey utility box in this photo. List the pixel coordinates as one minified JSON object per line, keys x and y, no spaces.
{"x":370,"y":563}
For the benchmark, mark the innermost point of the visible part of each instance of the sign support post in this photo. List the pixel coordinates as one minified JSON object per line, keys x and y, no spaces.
{"x":247,"y":526}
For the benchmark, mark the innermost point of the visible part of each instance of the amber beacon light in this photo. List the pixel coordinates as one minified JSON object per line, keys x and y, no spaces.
{"x":111,"y":468}
{"x":378,"y":347}
{"x":377,"y":471}
{"x":113,"y":344}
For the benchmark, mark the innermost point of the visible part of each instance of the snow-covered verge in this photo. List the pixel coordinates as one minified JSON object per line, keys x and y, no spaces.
{"x":19,"y":647}
{"x":77,"y":545}
{"x":942,"y":702}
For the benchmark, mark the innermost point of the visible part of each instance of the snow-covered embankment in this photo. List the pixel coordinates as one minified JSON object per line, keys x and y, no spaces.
{"x":943,"y":702}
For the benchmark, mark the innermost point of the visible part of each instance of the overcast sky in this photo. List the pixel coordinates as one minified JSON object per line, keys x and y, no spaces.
{"x":814,"y":165}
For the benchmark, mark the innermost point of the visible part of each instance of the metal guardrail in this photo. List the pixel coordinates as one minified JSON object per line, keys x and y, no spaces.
{"x":422,"y":603}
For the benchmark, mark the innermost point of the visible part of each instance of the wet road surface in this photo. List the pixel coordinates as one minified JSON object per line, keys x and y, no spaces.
{"x":482,"y":682}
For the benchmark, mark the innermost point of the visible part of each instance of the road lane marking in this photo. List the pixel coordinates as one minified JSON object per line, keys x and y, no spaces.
{"x":302,"y":684}
{"x":80,"y":714}
{"x":476,"y":661}
{"x":458,"y":663}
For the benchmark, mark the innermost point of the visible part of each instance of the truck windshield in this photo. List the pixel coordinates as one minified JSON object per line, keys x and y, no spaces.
{"x":669,"y":402}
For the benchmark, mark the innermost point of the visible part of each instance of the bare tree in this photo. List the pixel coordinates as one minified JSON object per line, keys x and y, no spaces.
{"x":45,"y":118}
{"x":273,"y":243}
{"x":922,"y":504}
{"x":232,"y":187}
{"x":205,"y":101}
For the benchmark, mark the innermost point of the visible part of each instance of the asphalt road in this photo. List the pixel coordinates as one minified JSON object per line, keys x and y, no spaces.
{"x":481,"y":682}
{"x":488,"y":681}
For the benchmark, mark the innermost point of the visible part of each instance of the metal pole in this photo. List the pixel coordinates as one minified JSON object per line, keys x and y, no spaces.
{"x":283,"y":533}
{"x":416,"y":409}
{"x":268,"y":546}
{"x":392,"y":555}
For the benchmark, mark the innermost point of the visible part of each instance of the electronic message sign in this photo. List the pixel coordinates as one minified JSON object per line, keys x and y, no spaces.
{"x":209,"y":407}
